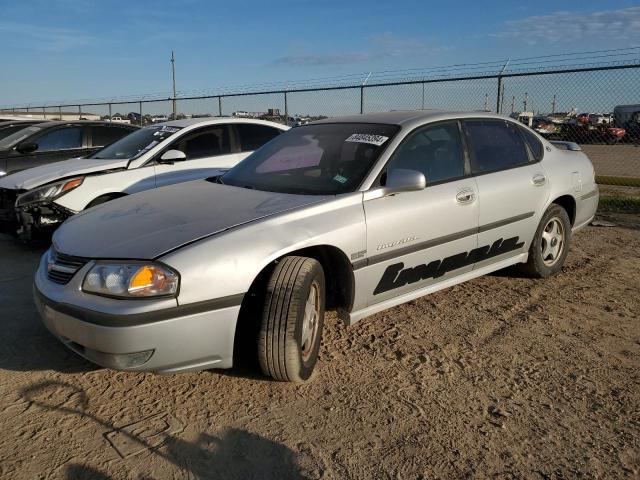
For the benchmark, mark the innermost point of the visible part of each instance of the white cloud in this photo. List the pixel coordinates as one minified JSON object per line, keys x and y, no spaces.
{"x":46,"y":38}
{"x":621,"y":26}
{"x":384,"y":45}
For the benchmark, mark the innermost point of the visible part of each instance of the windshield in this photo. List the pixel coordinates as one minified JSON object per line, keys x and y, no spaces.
{"x":17,"y":137}
{"x":136,"y":143}
{"x":323,"y":159}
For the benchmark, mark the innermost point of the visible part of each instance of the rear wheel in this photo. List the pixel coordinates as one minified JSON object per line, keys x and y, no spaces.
{"x":292,"y":319}
{"x":550,"y":244}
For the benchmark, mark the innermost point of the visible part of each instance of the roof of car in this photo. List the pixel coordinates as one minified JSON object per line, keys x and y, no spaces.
{"x":213,"y":120}
{"x":53,"y":123}
{"x":403,"y":117}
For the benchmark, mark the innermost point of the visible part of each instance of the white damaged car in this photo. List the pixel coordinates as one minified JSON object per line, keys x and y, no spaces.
{"x":35,"y":201}
{"x":356,"y":214}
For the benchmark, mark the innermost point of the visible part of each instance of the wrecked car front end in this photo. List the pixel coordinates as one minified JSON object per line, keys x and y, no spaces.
{"x":36,"y":213}
{"x":8,"y":218}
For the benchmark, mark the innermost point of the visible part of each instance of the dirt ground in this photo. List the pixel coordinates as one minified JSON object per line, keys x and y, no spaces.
{"x":502,"y":377}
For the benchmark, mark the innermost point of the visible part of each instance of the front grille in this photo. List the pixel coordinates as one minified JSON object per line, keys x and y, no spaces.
{"x":61,"y":268}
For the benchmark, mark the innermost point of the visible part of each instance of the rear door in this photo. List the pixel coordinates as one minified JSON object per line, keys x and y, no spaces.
{"x":415,"y":239}
{"x":208,"y":149}
{"x":512,"y":186}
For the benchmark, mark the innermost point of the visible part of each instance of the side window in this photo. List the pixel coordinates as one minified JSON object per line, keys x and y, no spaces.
{"x":436,"y":151}
{"x":534,"y":144}
{"x":253,"y":137}
{"x":60,"y":139}
{"x":207,"y":142}
{"x":101,"y":136}
{"x":495,"y":145}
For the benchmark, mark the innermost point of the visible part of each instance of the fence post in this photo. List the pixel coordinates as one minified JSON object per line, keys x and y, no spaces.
{"x":286,"y":109}
{"x":219,"y":106}
{"x":44,"y":114}
{"x":79,"y":112}
{"x":361,"y":99}
{"x":59,"y":112}
{"x":141,"y":113}
{"x":110,"y":113}
{"x":499,"y":96}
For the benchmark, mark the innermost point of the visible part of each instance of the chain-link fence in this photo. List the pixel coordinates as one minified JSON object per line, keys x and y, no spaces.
{"x":596,"y":107}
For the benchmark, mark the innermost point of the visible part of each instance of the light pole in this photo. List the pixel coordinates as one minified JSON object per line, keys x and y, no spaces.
{"x":173,"y":73}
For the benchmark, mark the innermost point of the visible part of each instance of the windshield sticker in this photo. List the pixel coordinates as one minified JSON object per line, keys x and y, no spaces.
{"x":340,"y":178}
{"x":367,"y":138}
{"x":167,"y":128}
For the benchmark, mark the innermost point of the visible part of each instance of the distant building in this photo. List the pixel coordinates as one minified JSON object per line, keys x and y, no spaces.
{"x":53,"y":115}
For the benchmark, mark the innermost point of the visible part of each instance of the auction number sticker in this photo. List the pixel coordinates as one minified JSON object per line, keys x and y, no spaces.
{"x":367,"y":138}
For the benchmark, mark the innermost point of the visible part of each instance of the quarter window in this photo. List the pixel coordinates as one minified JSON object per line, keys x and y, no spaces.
{"x":436,"y":151}
{"x":534,"y":144}
{"x":207,"y":142}
{"x":495,"y":145}
{"x":253,"y":137}
{"x":60,"y":139}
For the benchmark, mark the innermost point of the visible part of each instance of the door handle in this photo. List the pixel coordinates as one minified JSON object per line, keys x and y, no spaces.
{"x":539,"y":179}
{"x":465,"y":196}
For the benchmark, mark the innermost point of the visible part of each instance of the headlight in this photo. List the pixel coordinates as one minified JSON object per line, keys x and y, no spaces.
{"x":48,"y":192}
{"x":131,"y":280}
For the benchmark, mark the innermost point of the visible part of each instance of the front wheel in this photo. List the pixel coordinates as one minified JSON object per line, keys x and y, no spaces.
{"x":550,"y":244}
{"x":292,"y":319}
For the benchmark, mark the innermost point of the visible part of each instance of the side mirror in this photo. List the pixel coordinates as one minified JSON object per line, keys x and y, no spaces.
{"x":27,"y":147}
{"x":399,"y":180}
{"x":171,"y":156}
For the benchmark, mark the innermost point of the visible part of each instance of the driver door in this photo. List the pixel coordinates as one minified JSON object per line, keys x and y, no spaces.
{"x":208,"y":150}
{"x":415,"y":239}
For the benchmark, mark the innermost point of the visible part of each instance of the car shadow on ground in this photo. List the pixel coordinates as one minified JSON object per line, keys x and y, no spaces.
{"x":232,"y":454}
{"x":25,"y":344}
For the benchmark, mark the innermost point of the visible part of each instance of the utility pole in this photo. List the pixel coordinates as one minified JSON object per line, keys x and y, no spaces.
{"x":173,"y":73}
{"x":553,"y":105}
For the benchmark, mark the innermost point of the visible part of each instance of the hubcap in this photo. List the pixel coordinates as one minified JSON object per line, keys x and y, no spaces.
{"x":552,"y":242}
{"x":311,"y":321}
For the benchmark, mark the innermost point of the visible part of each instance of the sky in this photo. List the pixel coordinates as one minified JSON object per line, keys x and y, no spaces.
{"x":55,"y":50}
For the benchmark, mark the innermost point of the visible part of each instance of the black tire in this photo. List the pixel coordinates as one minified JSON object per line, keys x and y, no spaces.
{"x":539,"y":265}
{"x":281,"y":352}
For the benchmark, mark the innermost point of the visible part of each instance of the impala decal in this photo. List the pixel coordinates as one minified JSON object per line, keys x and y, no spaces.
{"x":396,"y":276}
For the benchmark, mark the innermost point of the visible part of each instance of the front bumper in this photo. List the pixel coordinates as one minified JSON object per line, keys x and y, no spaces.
{"x":181,"y":339}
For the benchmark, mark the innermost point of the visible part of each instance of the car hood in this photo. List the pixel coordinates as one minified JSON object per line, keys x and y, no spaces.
{"x":154,"y":222}
{"x":34,"y":177}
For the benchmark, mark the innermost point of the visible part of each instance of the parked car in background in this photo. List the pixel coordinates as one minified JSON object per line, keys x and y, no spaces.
{"x":544,"y":126}
{"x":628,"y":117}
{"x":119,"y":120}
{"x":355,"y":214}
{"x":50,"y":142}
{"x":159,"y":119}
{"x":9,"y":127}
{"x":37,"y":201}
